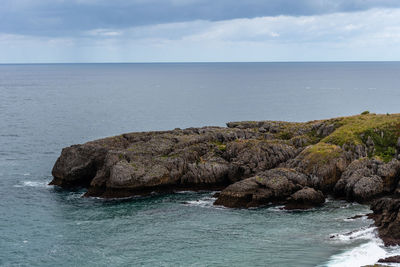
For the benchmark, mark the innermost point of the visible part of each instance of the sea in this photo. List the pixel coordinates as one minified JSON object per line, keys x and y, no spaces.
{"x":45,"y":107}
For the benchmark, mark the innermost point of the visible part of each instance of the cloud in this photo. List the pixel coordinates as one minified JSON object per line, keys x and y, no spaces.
{"x":365,"y":35}
{"x":104,"y":32}
{"x":334,"y":28}
{"x":66,"y":18}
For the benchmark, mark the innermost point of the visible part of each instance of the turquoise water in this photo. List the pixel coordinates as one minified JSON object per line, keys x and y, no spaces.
{"x":46,"y":107}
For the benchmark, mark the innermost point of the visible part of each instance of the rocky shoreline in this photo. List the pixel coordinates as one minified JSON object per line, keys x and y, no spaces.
{"x":254,"y":164}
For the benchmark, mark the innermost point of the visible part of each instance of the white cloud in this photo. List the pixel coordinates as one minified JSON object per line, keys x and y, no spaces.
{"x":104,"y":32}
{"x":339,"y":27}
{"x":367,"y":35}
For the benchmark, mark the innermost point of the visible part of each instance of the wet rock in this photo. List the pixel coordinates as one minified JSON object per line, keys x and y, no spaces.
{"x":358,"y":216}
{"x":305,"y":198}
{"x":272,"y":186}
{"x":244,"y":194}
{"x":393,"y":259}
{"x":77,"y":166}
{"x":387,"y":219}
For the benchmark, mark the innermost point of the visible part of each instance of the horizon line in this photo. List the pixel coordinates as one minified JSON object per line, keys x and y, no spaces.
{"x":200,"y":62}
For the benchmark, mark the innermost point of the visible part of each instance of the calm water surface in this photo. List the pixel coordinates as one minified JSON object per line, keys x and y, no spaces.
{"x":44,"y":108}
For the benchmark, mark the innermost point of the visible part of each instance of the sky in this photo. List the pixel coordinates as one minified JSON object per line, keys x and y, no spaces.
{"x":55,"y":31}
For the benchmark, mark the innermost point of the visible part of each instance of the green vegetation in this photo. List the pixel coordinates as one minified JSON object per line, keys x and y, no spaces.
{"x":221,"y":146}
{"x":259,"y":179}
{"x":365,"y":112}
{"x":285,"y":135}
{"x":322,"y":153}
{"x":385,"y":142}
{"x":384,"y":130}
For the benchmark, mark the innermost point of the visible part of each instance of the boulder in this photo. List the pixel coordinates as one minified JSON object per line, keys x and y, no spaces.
{"x":305,"y":198}
{"x":365,"y":179}
{"x":272,"y":186}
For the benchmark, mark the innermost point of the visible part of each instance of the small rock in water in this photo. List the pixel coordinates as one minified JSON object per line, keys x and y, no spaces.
{"x":356,"y":217}
{"x":393,"y":259}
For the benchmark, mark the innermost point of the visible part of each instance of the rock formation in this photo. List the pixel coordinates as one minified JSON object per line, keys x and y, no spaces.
{"x":255,"y":163}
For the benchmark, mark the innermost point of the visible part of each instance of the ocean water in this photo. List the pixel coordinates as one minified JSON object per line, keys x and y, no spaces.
{"x":44,"y":108}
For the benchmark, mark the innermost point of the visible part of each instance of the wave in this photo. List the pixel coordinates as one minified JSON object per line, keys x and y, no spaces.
{"x":357,"y":217}
{"x":363,"y":233}
{"x":33,"y":184}
{"x":206,"y":202}
{"x":364,"y":254}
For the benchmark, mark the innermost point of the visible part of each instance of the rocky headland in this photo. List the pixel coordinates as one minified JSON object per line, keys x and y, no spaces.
{"x":254,"y":163}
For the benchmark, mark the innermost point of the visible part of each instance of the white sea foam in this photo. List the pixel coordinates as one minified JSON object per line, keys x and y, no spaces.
{"x":277,"y":208}
{"x":185,"y":192}
{"x":363,"y":233}
{"x":32,"y":184}
{"x":206,"y":202}
{"x":362,"y":217}
{"x":367,"y":253}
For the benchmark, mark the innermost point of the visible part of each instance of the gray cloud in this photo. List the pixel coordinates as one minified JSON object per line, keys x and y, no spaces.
{"x":340,"y":36}
{"x":70,"y":18}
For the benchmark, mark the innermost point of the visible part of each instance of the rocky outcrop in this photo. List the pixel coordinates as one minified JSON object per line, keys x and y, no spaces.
{"x":393,"y":259}
{"x":255,"y":163}
{"x":195,"y":158}
{"x":387,"y":219}
{"x":365,"y":179}
{"x":272,"y":186}
{"x":305,"y":198}
{"x":323,"y":163}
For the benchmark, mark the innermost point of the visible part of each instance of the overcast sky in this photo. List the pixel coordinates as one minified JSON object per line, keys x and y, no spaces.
{"x":198,"y":30}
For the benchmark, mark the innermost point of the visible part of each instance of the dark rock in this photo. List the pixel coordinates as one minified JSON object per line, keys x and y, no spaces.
{"x":356,"y":217}
{"x":365,"y":179}
{"x":279,"y":158}
{"x":216,"y":195}
{"x":248,"y":157}
{"x":77,"y":165}
{"x":324,"y":163}
{"x":272,"y":186}
{"x":393,"y":259}
{"x":244,"y":194}
{"x":387,"y":219}
{"x":193,"y":158}
{"x":305,"y":198}
{"x":257,"y":163}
